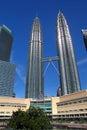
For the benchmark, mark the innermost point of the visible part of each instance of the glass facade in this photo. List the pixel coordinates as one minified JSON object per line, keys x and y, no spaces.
{"x":5,"y":43}
{"x":7,"y":73}
{"x":45,"y":104}
{"x":84,"y":33}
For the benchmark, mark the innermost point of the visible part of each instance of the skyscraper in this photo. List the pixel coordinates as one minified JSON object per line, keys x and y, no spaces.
{"x":69,"y":78}
{"x":34,"y":80}
{"x":7,"y":73}
{"x":6,"y":39}
{"x":7,"y":70}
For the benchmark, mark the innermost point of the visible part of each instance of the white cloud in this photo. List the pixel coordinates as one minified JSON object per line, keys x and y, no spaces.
{"x":83,"y":61}
{"x":19,"y":68}
{"x":12,"y":57}
{"x":20,"y":72}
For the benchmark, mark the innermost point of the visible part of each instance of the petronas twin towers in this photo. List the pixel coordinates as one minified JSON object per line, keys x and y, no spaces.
{"x":69,"y":78}
{"x":34,"y":82}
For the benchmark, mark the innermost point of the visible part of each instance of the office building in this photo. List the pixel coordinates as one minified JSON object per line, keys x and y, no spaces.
{"x":7,"y":70}
{"x":73,"y":105}
{"x":6,"y":39}
{"x":34,"y":79}
{"x":84,"y":33}
{"x":8,"y":105}
{"x":69,"y":78}
{"x":7,"y":73}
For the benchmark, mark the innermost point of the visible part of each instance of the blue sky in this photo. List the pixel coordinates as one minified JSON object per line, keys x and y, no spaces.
{"x":18,"y":15}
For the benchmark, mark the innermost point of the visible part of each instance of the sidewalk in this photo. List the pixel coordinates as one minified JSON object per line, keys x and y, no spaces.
{"x":70,"y":125}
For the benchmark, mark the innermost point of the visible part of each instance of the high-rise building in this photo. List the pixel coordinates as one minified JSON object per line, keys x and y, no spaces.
{"x":7,"y":73}
{"x":34,"y":79}
{"x":84,"y":33}
{"x":7,"y":70}
{"x":59,"y":91}
{"x":69,"y":78}
{"x":6,"y":39}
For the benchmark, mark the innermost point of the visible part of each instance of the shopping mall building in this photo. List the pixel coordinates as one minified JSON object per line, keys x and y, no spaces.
{"x":68,"y":106}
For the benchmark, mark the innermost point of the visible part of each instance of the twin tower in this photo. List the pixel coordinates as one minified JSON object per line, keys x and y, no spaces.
{"x":69,"y":78}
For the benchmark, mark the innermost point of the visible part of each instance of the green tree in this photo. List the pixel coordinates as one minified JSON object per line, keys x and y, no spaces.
{"x":33,"y":119}
{"x":38,"y":119}
{"x":17,"y":120}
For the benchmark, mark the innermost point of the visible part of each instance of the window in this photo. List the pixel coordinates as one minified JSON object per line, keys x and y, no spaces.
{"x":7,"y":112}
{"x":81,"y":110}
{"x":1,"y":112}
